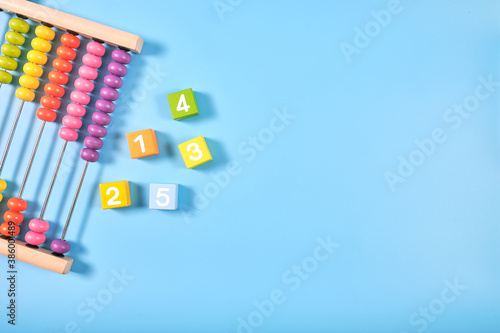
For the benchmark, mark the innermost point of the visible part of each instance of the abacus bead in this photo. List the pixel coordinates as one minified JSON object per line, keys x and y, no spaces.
{"x":60,"y":246}
{"x":25,"y":94}
{"x":62,"y":65}
{"x":54,"y":90}
{"x":45,"y":32}
{"x":13,"y":216}
{"x":58,"y":77}
{"x":87,"y":72}
{"x":68,"y":134}
{"x":11,"y":50}
{"x":46,"y":114}
{"x":3,"y":185}
{"x":84,"y":85}
{"x":41,"y":45}
{"x":101,"y":118}
{"x":5,"y":77}
{"x":8,"y":63}
{"x":66,"y":53}
{"x":37,"y":57}
{"x":97,"y":130}
{"x":91,"y":60}
{"x":89,"y":155}
{"x":34,"y":238}
{"x":38,"y":225}
{"x":109,"y":94}
{"x":1,"y":196}
{"x":17,"y":204}
{"x":15,"y":38}
{"x":19,"y":25}
{"x":29,"y":82}
{"x":76,"y":110}
{"x":93,"y":143}
{"x":80,"y":97}
{"x":96,"y":48}
{"x":32,"y":69}
{"x":50,"y":102}
{"x":4,"y":230}
{"x":105,"y":106}
{"x":113,"y":81}
{"x":117,"y":69}
{"x":70,"y":40}
{"x":72,"y":122}
{"x":121,"y":56}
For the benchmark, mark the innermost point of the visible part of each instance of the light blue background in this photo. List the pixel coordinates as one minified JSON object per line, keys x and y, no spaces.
{"x":202,"y":267}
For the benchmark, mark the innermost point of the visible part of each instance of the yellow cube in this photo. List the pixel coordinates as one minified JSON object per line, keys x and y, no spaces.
{"x":195,"y":152}
{"x":115,"y":195}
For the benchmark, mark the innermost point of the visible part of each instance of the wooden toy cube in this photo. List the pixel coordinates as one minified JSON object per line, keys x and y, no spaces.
{"x":142,"y":143}
{"x":183,"y":104}
{"x":195,"y":152}
{"x":163,"y":196}
{"x":115,"y":195}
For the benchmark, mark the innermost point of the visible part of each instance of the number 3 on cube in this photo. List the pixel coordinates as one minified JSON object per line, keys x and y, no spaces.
{"x":115,"y":195}
{"x":195,"y":152}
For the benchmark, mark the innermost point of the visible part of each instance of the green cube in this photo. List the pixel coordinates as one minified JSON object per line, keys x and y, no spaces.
{"x":183,"y":104}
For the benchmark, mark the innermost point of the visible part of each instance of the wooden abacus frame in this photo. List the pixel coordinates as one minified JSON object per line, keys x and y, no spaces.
{"x":43,"y":257}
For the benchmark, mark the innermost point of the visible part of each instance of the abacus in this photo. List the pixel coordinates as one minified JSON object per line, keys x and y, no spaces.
{"x":97,"y":34}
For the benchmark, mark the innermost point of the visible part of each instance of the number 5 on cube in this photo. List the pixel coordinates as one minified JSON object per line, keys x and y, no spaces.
{"x":115,"y":195}
{"x":163,"y":196}
{"x":195,"y":152}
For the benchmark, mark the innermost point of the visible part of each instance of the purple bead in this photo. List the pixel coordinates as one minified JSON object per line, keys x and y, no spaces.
{"x":109,"y":94}
{"x":117,"y":69}
{"x":101,"y":118}
{"x":113,"y":81}
{"x":60,"y":246}
{"x":97,"y":130}
{"x":93,"y":143}
{"x":121,"y":56}
{"x":89,"y":155}
{"x":105,"y":106}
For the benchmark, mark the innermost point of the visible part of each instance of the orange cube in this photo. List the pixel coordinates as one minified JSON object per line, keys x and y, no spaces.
{"x":142,"y":143}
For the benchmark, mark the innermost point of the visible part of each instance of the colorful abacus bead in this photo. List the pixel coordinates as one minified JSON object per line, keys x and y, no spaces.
{"x":11,"y":49}
{"x":16,"y":206}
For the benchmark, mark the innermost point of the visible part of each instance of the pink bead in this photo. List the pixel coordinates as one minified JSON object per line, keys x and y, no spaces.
{"x":96,"y":48}
{"x":34,"y":238}
{"x":76,"y":110}
{"x":91,"y":60}
{"x":68,"y":134}
{"x":72,"y":122}
{"x":87,"y":72}
{"x":84,"y":85}
{"x":80,"y":97}
{"x":37,"y":225}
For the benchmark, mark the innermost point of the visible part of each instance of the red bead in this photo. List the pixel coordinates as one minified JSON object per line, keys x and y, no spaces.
{"x":9,"y":230}
{"x":66,"y":53}
{"x":50,"y":102}
{"x":70,"y":41}
{"x":62,"y":65}
{"x":58,"y":77}
{"x":12,"y":215}
{"x":46,"y":115}
{"x":17,"y":204}
{"x":54,"y":90}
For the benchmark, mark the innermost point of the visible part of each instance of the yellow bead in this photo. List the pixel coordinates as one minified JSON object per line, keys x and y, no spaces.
{"x":45,"y":32}
{"x":29,"y":82}
{"x":32,"y":69}
{"x":19,"y":25}
{"x":5,"y":77}
{"x":41,"y":45}
{"x":11,"y":50}
{"x":1,"y":196}
{"x":15,"y":38}
{"x":3,"y":185}
{"x":8,"y":63}
{"x":25,"y":94}
{"x":37,"y":57}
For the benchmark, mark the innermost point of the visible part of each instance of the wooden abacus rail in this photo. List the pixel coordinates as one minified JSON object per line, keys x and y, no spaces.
{"x":68,"y":22}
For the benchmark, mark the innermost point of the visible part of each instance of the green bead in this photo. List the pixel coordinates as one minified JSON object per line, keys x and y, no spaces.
{"x":19,"y":25}
{"x":5,"y":77}
{"x":11,"y":50}
{"x":15,"y":38}
{"x":8,"y":63}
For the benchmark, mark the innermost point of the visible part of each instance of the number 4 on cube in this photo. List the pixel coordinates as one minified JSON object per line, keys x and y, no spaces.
{"x":115,"y":195}
{"x":163,"y":196}
{"x":183,"y":104}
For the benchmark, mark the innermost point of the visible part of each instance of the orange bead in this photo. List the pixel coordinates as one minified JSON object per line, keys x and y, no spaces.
{"x":62,"y":65}
{"x":46,"y":115}
{"x":9,"y":230}
{"x":54,"y":90}
{"x":17,"y":204}
{"x":50,"y":102}
{"x":58,"y":77}
{"x":66,"y":53}
{"x":12,"y":215}
{"x":70,"y":41}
